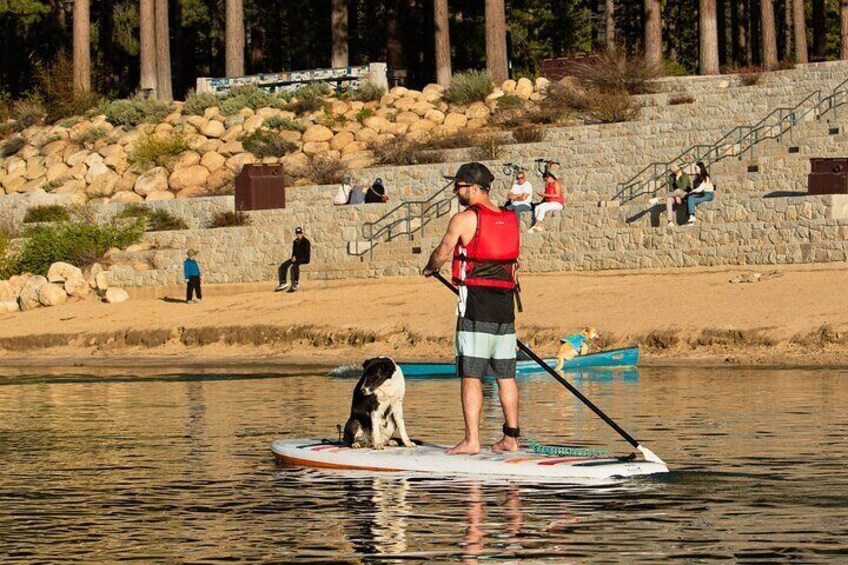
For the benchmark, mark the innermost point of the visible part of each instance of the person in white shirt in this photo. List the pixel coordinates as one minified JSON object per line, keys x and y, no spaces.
{"x":343,"y":194}
{"x":520,"y":195}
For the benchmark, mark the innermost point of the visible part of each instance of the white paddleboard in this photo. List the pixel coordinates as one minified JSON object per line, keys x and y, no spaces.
{"x":431,"y":459}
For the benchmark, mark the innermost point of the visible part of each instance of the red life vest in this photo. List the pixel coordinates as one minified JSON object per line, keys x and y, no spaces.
{"x":491,"y":257}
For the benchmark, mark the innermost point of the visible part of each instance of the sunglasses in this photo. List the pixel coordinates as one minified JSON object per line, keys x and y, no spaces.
{"x":458,"y":185}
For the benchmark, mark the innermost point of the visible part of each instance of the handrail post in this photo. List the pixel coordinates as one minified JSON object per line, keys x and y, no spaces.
{"x":408,"y":221}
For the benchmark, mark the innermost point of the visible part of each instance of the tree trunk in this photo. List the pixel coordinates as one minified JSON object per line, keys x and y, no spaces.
{"x":609,"y":25}
{"x":820,"y":29}
{"x":82,"y":46}
{"x":736,"y":51}
{"x":443,"y":51}
{"x":496,"y":62}
{"x":147,"y":49}
{"x":709,"y":38}
{"x":164,"y":87}
{"x":394,"y":47}
{"x":721,"y":17}
{"x":234,"y":42}
{"x":653,"y":32}
{"x":788,"y":32}
{"x":338,"y":23}
{"x":843,"y":29}
{"x":800,"y":31}
{"x":769,"y":38}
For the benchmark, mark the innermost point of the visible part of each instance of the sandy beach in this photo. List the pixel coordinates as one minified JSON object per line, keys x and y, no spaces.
{"x":794,"y":315}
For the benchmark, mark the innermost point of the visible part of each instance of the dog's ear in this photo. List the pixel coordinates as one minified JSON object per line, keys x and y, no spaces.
{"x":368,"y":362}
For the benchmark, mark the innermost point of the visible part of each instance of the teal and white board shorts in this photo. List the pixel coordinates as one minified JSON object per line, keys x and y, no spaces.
{"x":485,"y":349}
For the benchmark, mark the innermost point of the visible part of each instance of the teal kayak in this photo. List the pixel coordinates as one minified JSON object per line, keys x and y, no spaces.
{"x":626,"y":357}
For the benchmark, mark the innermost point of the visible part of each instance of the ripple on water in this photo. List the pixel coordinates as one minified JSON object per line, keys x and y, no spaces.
{"x":178,"y":470}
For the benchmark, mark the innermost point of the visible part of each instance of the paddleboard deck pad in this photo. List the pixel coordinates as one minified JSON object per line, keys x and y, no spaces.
{"x":432,"y":459}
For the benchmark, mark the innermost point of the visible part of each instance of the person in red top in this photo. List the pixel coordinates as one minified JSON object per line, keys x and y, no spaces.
{"x":552,"y":199}
{"x":484,"y":242}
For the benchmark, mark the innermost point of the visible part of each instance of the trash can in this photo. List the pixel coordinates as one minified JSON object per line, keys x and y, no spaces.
{"x":828,"y":176}
{"x":260,"y":187}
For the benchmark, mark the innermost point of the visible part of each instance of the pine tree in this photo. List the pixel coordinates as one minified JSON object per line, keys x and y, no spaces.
{"x":496,"y":63}
{"x":769,"y":35}
{"x":234,"y":38}
{"x":82,"y":46}
{"x":442,"y":33}
{"x":147,"y":46}
{"x":339,"y":32}
{"x":709,"y":38}
{"x":653,"y":32}
{"x":164,"y":88}
{"x":800,"y":31}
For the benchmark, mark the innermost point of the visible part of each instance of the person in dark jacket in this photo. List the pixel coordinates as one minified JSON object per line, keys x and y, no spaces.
{"x":301,"y":250}
{"x":377,"y":193}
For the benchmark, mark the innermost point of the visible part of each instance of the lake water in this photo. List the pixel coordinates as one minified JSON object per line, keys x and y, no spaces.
{"x":177,"y":469}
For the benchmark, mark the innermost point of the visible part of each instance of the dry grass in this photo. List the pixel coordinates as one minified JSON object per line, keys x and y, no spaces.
{"x":617,"y":73}
{"x":489,"y":147}
{"x":404,"y":152}
{"x":529,"y":134}
{"x":324,"y":170}
{"x":613,"y":107}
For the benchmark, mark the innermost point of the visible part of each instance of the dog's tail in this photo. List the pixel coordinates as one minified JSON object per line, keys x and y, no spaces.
{"x":346,"y":371}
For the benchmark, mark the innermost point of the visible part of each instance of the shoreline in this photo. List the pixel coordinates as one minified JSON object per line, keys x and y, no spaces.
{"x":796,"y":317}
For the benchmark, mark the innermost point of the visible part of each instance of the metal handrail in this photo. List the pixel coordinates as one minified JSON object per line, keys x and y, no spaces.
{"x":736,"y":142}
{"x":423,"y":210}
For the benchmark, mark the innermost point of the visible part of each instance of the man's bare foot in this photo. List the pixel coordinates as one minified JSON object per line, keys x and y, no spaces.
{"x":464,"y":447}
{"x":507,"y":444}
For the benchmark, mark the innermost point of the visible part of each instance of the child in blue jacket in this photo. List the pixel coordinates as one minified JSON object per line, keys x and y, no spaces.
{"x":191,"y":271}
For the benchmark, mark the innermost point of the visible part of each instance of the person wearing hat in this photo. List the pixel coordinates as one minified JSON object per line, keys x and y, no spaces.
{"x":377,"y":193}
{"x":300,"y":255}
{"x":552,"y":200}
{"x":191,"y":272}
{"x":679,"y":186}
{"x":484,"y":242}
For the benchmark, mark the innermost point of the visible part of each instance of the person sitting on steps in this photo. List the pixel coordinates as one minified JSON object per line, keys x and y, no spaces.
{"x":300,"y":255}
{"x":552,"y":200}
{"x":703,"y":191}
{"x":679,"y":186}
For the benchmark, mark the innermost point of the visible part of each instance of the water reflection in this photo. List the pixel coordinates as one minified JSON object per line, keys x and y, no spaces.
{"x":179,"y":470}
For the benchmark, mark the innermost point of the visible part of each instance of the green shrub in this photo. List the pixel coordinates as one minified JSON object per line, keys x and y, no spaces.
{"x":7,"y":260}
{"x":134,"y":211}
{"x":565,"y":97}
{"x":330,"y":120}
{"x":529,"y":134}
{"x":489,"y":148}
{"x":617,"y":73}
{"x":54,"y":83}
{"x":47,"y":213}
{"x":163,"y":220}
{"x":364,"y":114}
{"x":277,"y":122}
{"x":244,"y":97}
{"x":366,"y":92}
{"x":197,"y":102}
{"x":674,"y":69}
{"x":77,"y":243}
{"x":89,"y":136}
{"x":154,"y":151}
{"x":28,"y":113}
{"x":510,"y":102}
{"x":264,"y":143}
{"x":403,"y":152}
{"x":456,"y":140}
{"x":12,"y":146}
{"x":613,"y":107}
{"x":304,"y":105}
{"x":468,"y":87}
{"x":680,"y":98}
{"x":229,"y":219}
{"x":324,"y":170}
{"x":134,"y":111}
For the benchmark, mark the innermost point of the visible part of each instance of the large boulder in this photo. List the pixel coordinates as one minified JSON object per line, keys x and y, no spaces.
{"x":60,"y":272}
{"x":52,"y":295}
{"x":236,"y":162}
{"x":9,"y":306}
{"x":154,"y":180}
{"x":524,"y":88}
{"x":455,"y":120}
{"x":317,"y":133}
{"x":341,"y":139}
{"x":116,"y":296}
{"x":103,"y":185}
{"x":95,"y":170}
{"x":194,"y":175}
{"x":212,"y":161}
{"x":58,"y":173}
{"x":213,"y":128}
{"x":77,"y":287}
{"x":101,"y":281}
{"x":376,"y":123}
{"x":159,"y":195}
{"x":29,"y":293}
{"x":253,"y":123}
{"x":7,"y":291}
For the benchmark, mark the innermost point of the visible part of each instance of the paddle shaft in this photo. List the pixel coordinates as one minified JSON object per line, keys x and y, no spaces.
{"x":523,"y":347}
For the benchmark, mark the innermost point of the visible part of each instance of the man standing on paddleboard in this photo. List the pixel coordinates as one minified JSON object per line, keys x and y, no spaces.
{"x":484,"y":243}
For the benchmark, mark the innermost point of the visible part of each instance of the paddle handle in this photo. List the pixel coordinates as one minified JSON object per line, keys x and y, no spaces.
{"x":523,"y":347}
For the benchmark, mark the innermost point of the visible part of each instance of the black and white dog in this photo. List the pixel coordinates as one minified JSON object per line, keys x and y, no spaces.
{"x":376,"y":413}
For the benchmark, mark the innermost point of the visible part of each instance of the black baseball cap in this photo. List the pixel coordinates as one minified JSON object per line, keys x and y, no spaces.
{"x":298,"y":230}
{"x":474,"y":173}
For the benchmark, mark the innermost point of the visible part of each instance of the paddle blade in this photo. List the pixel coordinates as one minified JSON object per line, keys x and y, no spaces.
{"x":650,"y":455}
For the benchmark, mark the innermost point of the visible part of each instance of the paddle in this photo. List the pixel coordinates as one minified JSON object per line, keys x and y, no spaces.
{"x":647,"y":453}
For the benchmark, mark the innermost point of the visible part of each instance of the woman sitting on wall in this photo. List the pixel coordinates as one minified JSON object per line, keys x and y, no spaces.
{"x":702,"y":192}
{"x":552,"y":199}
